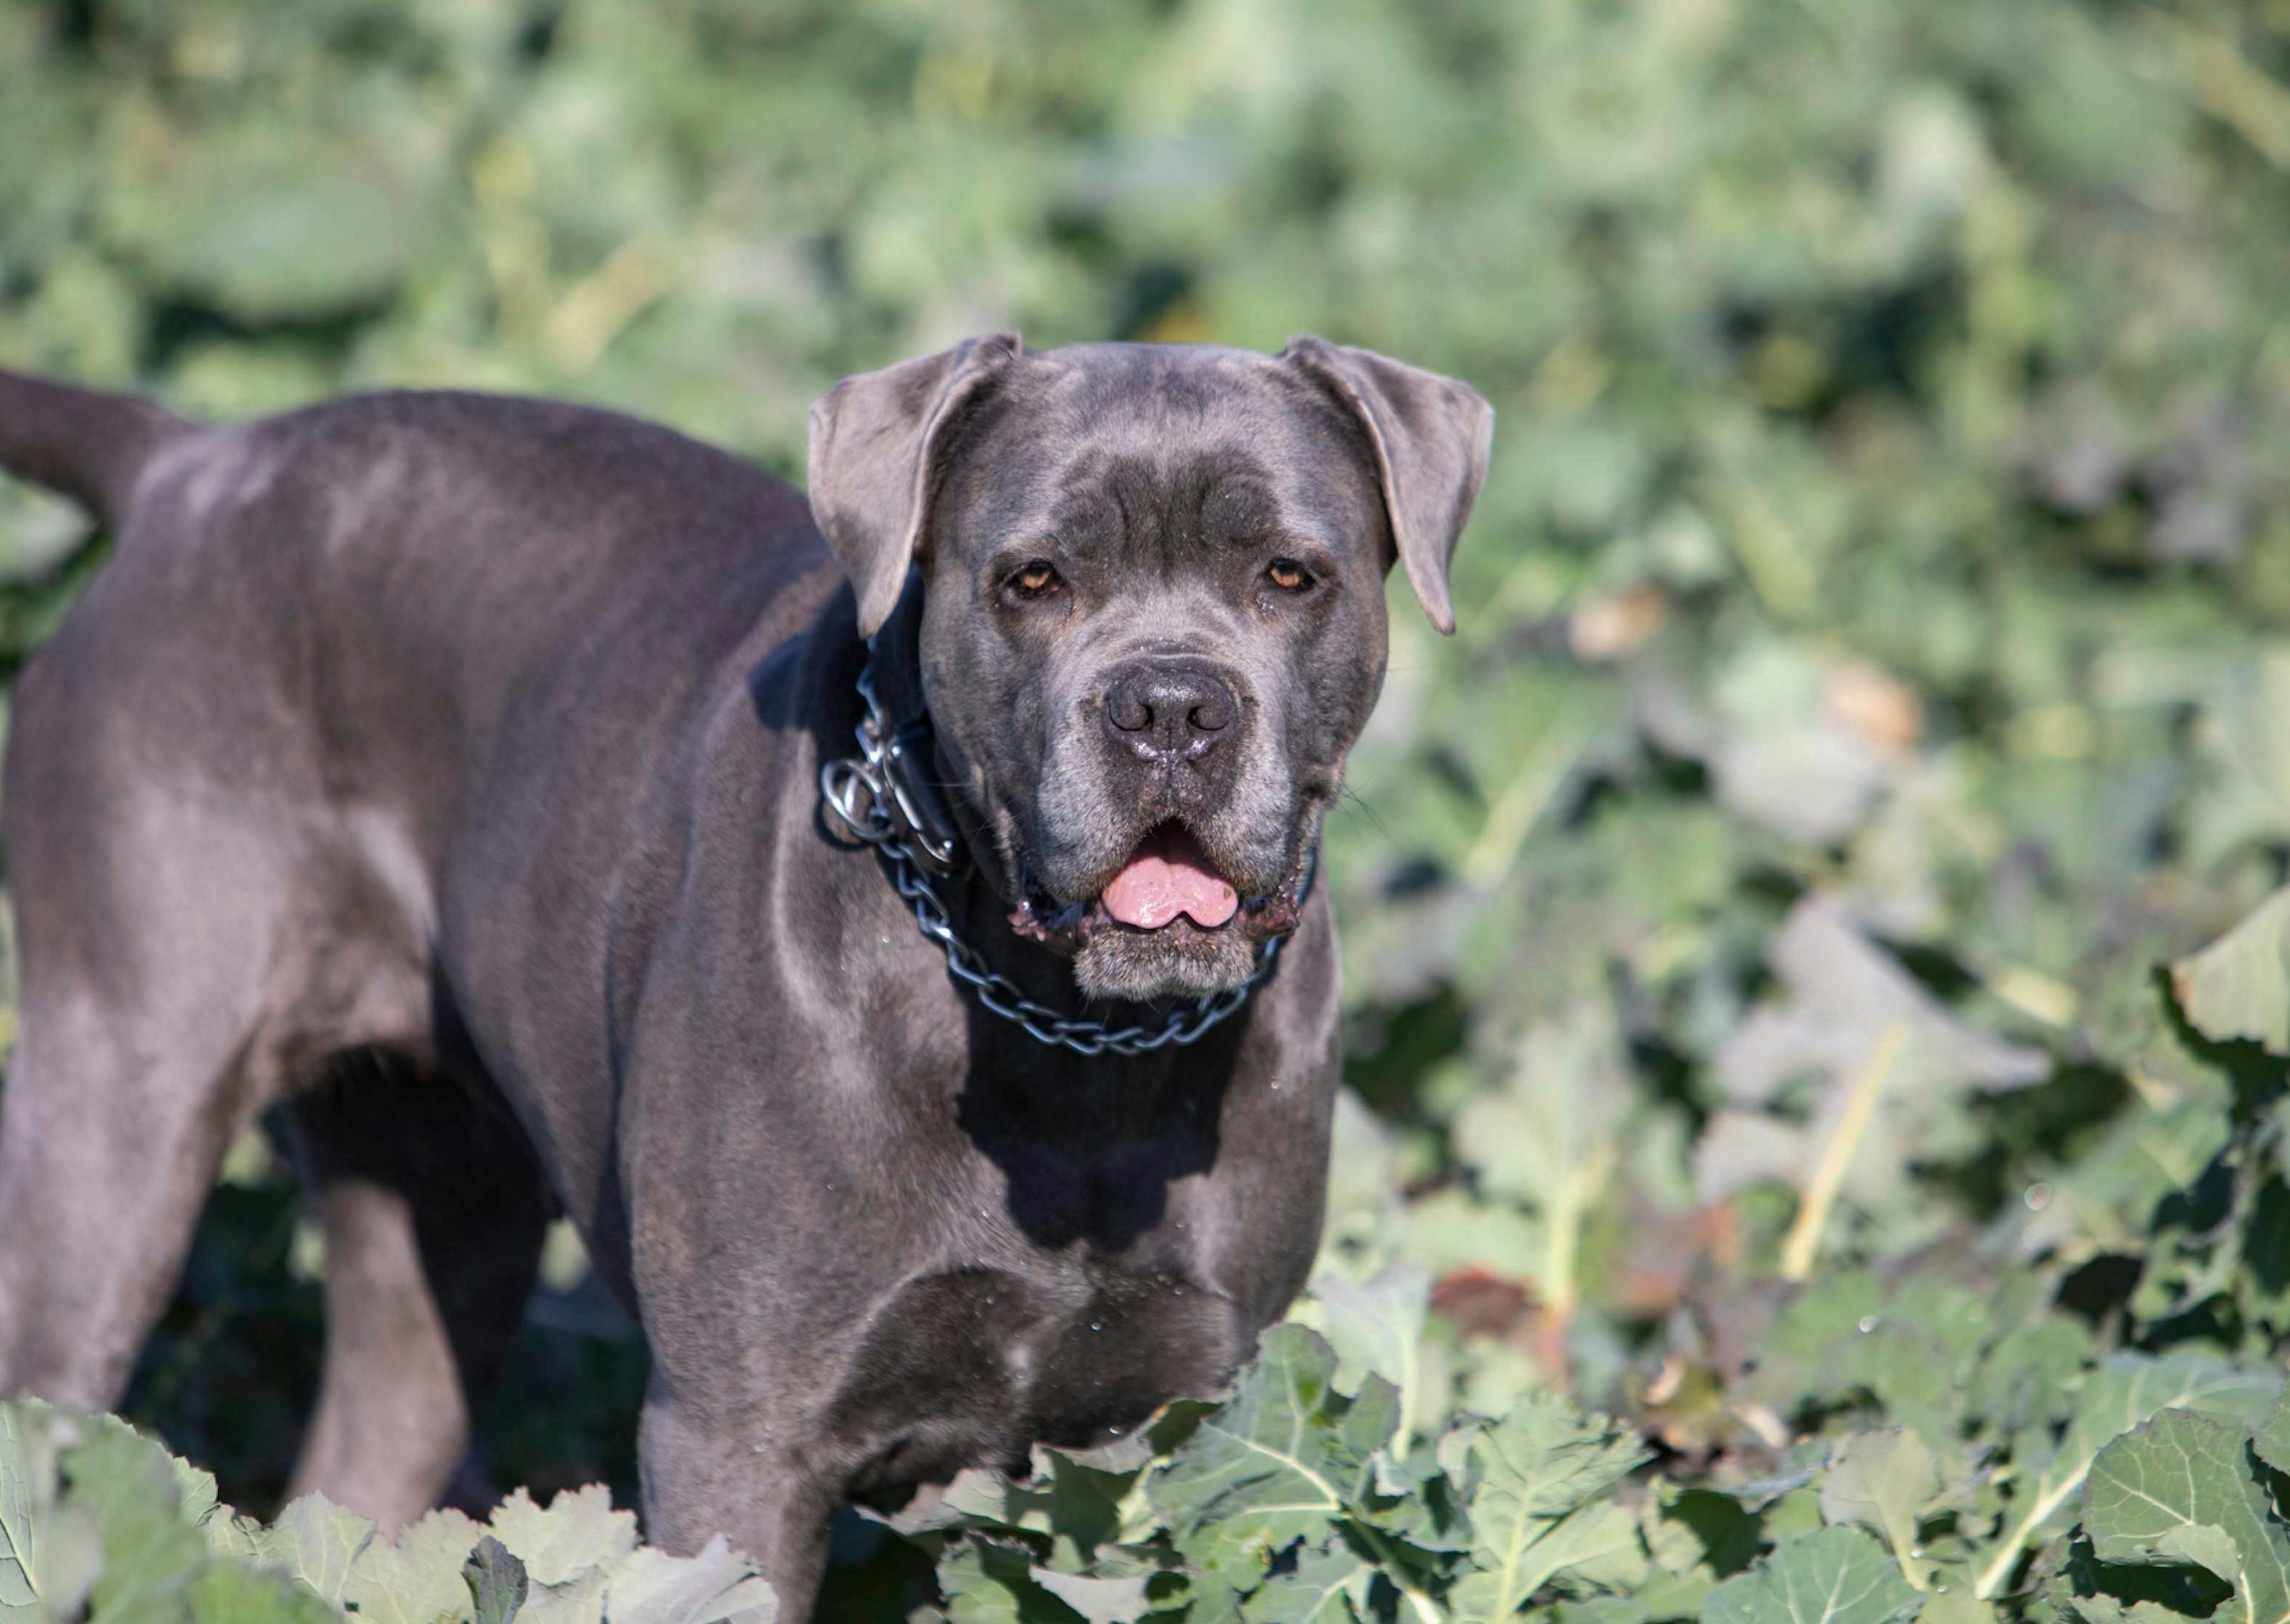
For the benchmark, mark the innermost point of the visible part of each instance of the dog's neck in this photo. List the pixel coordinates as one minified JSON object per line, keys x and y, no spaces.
{"x":895,"y":666}
{"x":894,"y":657}
{"x":986,"y":892}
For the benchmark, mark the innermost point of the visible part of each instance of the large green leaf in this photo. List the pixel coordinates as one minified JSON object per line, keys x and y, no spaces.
{"x":1835,"y":1576}
{"x":2185,"y":1488}
{"x":2117,"y":1398}
{"x":579,"y":1533}
{"x":416,"y":1578}
{"x":318,"y":1542}
{"x":1282,"y":1459}
{"x":716,"y":1585}
{"x":1542,"y":1507}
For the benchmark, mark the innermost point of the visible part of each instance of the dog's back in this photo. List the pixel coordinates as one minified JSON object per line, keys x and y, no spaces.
{"x":368,"y":600}
{"x":461,"y":540}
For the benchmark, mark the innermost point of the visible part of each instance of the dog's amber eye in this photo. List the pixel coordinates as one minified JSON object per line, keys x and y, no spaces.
{"x":1288,"y":575}
{"x":1034,"y":579}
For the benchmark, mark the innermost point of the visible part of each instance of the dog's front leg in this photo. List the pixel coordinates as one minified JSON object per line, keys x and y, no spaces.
{"x":703,"y":1476}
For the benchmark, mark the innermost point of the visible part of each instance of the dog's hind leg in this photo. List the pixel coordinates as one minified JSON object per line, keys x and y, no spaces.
{"x":192,"y":937}
{"x":434,"y":1210}
{"x":141,"y":1010}
{"x":108,"y":1142}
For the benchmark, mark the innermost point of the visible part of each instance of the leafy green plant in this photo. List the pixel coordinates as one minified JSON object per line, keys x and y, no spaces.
{"x":99,"y":1521}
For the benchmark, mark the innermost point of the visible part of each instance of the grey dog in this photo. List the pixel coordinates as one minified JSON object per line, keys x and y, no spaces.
{"x":445,"y":770}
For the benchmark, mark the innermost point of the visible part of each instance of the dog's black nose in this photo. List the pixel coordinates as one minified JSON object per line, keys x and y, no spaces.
{"x":1170,"y":710}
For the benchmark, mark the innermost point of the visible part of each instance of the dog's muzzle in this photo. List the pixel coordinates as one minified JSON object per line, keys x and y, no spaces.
{"x":882,"y":797}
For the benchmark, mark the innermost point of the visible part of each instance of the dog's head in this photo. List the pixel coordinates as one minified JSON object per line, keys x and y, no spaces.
{"x":1154,"y":621}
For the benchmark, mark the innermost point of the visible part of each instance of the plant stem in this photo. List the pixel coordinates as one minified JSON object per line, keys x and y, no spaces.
{"x":1802,"y":1247}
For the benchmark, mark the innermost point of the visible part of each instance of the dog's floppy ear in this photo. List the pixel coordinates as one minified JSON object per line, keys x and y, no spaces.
{"x":874,"y":444}
{"x":1430,"y":434}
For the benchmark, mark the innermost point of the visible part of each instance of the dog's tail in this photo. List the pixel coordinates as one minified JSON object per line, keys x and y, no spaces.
{"x":86,"y":444}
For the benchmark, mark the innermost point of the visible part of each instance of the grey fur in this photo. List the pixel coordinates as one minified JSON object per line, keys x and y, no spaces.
{"x":443,"y":766}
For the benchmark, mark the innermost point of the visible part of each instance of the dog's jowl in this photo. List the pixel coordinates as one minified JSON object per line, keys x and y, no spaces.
{"x":887,"y":925}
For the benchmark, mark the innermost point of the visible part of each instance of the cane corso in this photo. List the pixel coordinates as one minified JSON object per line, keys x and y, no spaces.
{"x":883,"y":923}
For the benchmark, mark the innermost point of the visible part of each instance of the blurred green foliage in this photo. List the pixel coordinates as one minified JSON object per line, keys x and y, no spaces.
{"x":1872,"y":659}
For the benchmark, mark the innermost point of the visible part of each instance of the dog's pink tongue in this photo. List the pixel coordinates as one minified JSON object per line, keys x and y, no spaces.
{"x":1170,"y":874}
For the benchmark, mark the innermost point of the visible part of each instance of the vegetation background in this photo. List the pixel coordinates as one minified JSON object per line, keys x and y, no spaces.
{"x":1872,"y":660}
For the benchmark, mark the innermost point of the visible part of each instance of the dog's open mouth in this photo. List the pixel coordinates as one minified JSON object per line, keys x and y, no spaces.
{"x":1169,"y":875}
{"x":1169,"y":884}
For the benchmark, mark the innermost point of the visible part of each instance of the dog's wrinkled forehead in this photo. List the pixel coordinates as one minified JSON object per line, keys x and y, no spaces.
{"x":1162,"y":457}
{"x":1276,"y":437}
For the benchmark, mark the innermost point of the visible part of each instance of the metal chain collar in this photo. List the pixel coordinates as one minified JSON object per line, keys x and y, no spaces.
{"x":866,"y":797}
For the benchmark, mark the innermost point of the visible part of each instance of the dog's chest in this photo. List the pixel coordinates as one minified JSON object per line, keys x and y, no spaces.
{"x":1086,"y":1305}
{"x":973,"y":1365}
{"x":1078,"y":1291}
